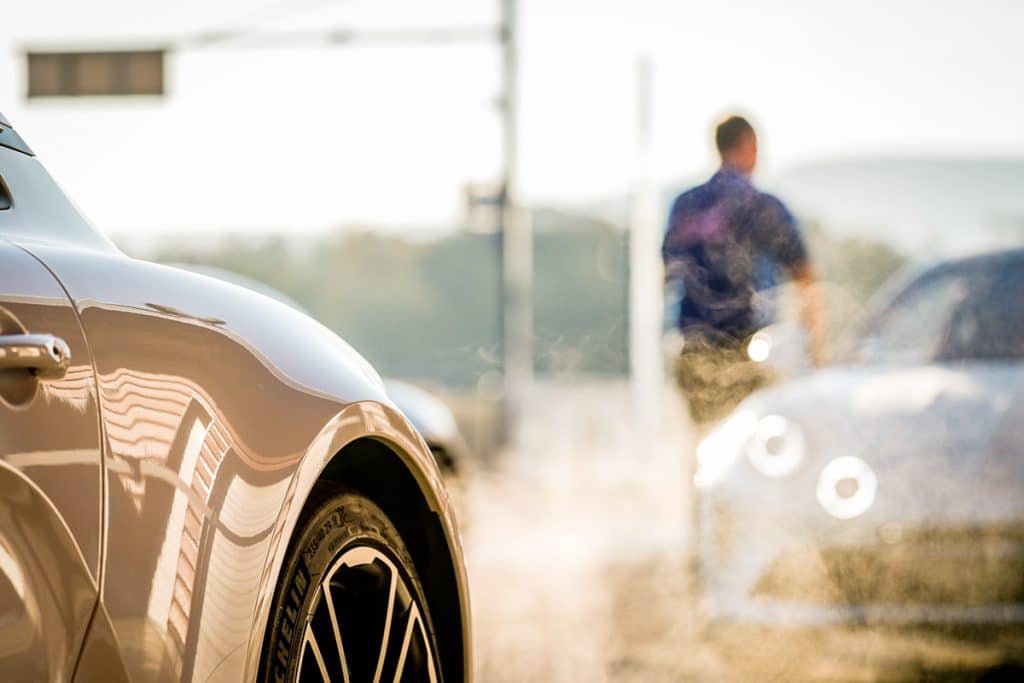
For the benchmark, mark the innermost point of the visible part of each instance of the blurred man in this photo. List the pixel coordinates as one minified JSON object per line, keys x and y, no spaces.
{"x":727,"y":243}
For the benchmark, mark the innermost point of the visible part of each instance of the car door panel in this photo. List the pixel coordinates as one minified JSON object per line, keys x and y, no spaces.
{"x":50,"y":482}
{"x":46,"y":592}
{"x":208,"y":407}
{"x":100,"y":660}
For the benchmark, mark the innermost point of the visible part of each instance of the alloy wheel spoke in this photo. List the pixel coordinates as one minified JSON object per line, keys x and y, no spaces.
{"x":414,"y":626}
{"x":310,"y":641}
{"x":388,"y":618}
{"x":329,"y":599}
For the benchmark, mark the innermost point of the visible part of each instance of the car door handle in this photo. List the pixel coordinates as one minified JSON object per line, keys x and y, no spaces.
{"x":45,"y":355}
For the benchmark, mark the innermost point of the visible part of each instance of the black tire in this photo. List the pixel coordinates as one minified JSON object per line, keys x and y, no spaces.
{"x":349,"y":605}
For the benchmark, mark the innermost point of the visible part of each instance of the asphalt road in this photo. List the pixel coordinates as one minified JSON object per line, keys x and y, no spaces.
{"x":575,"y":547}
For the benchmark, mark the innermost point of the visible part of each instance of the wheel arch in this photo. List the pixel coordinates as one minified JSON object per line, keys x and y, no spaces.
{"x":372,"y":467}
{"x":370,"y":448}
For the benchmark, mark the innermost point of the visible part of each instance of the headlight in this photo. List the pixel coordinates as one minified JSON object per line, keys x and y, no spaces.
{"x":776,"y":447}
{"x":847,"y":487}
{"x":718,"y":452}
{"x":759,"y":347}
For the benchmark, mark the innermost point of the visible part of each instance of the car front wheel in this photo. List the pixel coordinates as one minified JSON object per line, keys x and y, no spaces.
{"x":349,"y":606}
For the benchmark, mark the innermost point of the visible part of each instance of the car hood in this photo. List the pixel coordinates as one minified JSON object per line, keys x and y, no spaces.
{"x":941,"y":438}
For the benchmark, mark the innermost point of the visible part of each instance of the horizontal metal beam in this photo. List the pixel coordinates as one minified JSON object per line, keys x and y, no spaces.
{"x":345,"y":37}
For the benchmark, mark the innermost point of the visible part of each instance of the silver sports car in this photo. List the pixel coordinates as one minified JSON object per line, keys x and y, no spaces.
{"x":889,"y":487}
{"x":198,"y":483}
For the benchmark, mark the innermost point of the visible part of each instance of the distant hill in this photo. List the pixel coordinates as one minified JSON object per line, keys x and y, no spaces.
{"x":925,"y":207}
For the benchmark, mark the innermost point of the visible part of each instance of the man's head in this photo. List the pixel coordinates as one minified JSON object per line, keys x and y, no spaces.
{"x":737,"y":144}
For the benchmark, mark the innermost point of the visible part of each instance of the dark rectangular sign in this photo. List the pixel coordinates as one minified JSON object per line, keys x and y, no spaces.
{"x":81,"y":74}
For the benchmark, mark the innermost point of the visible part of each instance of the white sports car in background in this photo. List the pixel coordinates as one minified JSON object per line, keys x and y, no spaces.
{"x":888,"y":488}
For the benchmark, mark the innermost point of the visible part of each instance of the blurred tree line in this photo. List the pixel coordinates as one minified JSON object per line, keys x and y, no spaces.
{"x":429,"y":310}
{"x":852,"y":270}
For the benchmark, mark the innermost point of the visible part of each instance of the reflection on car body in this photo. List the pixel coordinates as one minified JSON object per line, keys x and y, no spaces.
{"x":162,"y":491}
{"x":427,"y":413}
{"x":890,"y":486}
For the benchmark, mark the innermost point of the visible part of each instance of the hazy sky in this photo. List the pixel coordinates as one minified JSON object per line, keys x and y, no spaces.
{"x":308,"y":138}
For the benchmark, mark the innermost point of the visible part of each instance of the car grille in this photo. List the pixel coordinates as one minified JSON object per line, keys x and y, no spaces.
{"x":970,"y":566}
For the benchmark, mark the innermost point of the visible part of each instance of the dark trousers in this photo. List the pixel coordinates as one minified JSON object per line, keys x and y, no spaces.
{"x":715,"y":373}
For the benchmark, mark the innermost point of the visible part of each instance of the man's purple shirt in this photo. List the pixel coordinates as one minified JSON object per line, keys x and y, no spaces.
{"x":725,"y":242}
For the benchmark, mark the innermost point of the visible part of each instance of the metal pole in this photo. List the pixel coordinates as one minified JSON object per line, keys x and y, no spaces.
{"x":645,"y":270}
{"x":516,"y":238}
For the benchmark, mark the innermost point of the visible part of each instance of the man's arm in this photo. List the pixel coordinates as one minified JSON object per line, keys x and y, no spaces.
{"x":782,"y":236}
{"x":812,"y":310}
{"x":669,"y":248}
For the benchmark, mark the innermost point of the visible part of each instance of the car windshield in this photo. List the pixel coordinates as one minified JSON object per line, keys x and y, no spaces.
{"x":989,"y":323}
{"x":951,"y":314}
{"x":33,"y":206}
